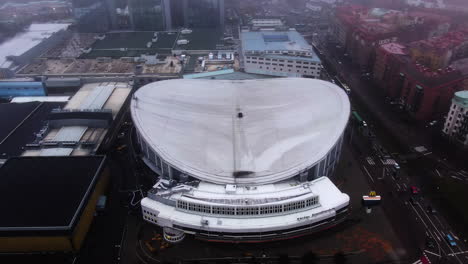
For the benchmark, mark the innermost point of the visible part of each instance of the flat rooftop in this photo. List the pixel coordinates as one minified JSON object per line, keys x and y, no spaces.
{"x":46,"y":193}
{"x":203,"y":39}
{"x":288,"y":125}
{"x":132,"y":44}
{"x":72,"y":66}
{"x":77,"y":66}
{"x":273,"y":41}
{"x":108,"y":96}
{"x":20,"y":122}
{"x":24,"y":41}
{"x":72,"y":46}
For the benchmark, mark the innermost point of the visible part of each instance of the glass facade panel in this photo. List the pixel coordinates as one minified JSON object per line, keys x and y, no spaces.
{"x":91,"y":16}
{"x":147,"y":15}
{"x":203,"y":13}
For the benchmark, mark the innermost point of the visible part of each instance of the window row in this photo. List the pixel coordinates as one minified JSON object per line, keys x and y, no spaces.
{"x":247,"y":210}
{"x":148,"y":212}
{"x":252,"y":59}
{"x":147,"y":218}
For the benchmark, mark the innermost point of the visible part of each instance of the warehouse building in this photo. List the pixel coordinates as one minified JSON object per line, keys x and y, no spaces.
{"x":85,"y":125}
{"x":49,"y":202}
{"x":51,"y":173}
{"x":20,"y":123}
{"x":14,"y":88}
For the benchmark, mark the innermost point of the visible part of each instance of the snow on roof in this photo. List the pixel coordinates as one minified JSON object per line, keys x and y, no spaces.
{"x":24,"y":41}
{"x":286,"y":126}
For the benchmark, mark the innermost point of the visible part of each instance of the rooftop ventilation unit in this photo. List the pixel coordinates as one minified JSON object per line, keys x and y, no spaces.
{"x":182,"y":42}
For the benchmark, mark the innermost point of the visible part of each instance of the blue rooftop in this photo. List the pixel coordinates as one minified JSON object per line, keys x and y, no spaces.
{"x":274,"y":40}
{"x":15,"y":88}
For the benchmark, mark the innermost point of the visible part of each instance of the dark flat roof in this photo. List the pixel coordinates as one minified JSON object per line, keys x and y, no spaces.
{"x":12,"y":114}
{"x":203,"y":39}
{"x":46,"y":194}
{"x":14,"y":133}
{"x":135,"y":43}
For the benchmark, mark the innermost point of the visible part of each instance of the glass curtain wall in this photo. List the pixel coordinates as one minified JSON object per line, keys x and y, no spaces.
{"x":147,"y":15}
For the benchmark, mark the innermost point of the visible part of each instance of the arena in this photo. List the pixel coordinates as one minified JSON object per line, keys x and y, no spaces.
{"x":242,"y":161}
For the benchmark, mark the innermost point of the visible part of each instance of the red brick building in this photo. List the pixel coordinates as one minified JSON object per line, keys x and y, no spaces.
{"x":439,"y":52}
{"x":386,"y":64}
{"x":362,"y":30}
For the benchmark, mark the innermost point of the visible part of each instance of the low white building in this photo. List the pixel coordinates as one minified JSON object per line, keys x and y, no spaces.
{"x":426,"y":3}
{"x":314,"y":6}
{"x":266,"y":22}
{"x":456,"y":124}
{"x":242,"y":160}
{"x":279,"y":53}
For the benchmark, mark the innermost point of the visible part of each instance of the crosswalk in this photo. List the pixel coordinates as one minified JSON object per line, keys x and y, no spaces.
{"x":389,"y":162}
{"x":423,"y":260}
{"x":370,"y":161}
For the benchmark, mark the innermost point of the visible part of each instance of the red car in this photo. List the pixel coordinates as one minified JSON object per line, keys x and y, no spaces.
{"x":414,"y":190}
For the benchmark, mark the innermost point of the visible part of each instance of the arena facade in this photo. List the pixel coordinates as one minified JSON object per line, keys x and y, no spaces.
{"x":242,"y":161}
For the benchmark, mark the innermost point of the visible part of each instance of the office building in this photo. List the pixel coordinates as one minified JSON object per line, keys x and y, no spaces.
{"x":456,"y":123}
{"x":91,"y":15}
{"x":279,"y":53}
{"x":147,"y":15}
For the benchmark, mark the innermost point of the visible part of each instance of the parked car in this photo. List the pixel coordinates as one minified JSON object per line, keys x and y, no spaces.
{"x":450,"y":240}
{"x":431,"y":210}
{"x":414,"y":190}
{"x":430,"y":244}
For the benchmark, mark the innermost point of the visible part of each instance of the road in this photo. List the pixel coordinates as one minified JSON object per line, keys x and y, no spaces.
{"x":418,"y":227}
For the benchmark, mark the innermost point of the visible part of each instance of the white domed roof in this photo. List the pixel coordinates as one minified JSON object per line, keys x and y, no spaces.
{"x":244,"y":132}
